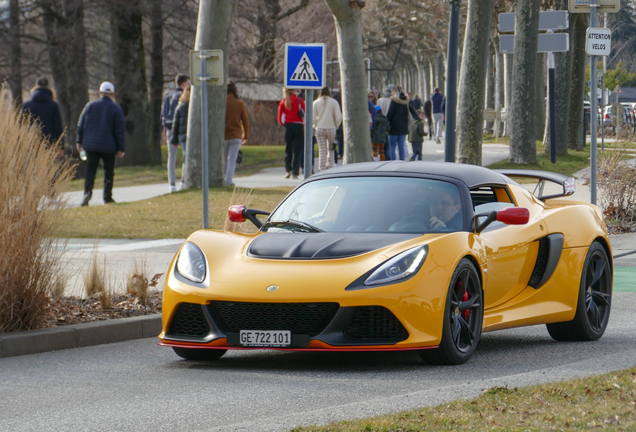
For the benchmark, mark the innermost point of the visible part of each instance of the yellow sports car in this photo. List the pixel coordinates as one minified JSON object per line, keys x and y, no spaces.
{"x":394,"y":256}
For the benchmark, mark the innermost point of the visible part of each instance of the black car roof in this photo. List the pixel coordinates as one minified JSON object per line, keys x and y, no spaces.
{"x":471,"y":175}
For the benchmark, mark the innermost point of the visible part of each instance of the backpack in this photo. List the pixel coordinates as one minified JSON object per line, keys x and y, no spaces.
{"x":170,"y":103}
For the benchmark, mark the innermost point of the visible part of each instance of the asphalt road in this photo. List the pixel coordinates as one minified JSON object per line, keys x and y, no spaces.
{"x":140,"y":386}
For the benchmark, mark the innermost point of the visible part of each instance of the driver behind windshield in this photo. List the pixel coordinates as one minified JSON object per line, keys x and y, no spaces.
{"x":445,"y":206}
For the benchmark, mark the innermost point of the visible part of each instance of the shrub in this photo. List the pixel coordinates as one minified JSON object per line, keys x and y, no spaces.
{"x":31,"y":180}
{"x":616,"y":183}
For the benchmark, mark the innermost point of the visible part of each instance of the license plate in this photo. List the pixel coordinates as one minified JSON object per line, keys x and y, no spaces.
{"x":265,"y":338}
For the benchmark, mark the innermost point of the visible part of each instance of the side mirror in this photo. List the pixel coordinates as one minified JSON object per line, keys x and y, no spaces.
{"x":239,"y":213}
{"x":509,"y":216}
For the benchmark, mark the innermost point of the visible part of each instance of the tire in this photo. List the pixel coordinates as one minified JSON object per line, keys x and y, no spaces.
{"x":463,"y":318}
{"x":594,"y":300}
{"x":199,"y":353}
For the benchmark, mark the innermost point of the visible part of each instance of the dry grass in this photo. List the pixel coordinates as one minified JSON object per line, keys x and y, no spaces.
{"x":137,"y":281}
{"x":617,"y":188}
{"x":604,"y":402}
{"x":96,"y":282}
{"x":31,"y":180}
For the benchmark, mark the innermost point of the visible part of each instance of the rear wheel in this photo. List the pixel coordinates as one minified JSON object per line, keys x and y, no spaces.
{"x":463,"y":318}
{"x":199,"y":353}
{"x":594,"y":302}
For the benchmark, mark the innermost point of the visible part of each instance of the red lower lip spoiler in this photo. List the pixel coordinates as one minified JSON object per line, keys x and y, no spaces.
{"x":177,"y":345}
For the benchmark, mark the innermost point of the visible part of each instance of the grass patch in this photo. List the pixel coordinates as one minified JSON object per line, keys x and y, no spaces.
{"x":255,"y":158}
{"x":174,"y":215}
{"x":603,"y":402}
{"x":568,"y":164}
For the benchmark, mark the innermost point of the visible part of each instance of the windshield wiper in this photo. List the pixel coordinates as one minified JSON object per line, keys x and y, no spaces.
{"x":294,"y":224}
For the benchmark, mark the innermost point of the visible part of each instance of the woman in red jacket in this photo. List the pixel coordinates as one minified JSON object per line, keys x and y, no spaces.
{"x":291,"y":112}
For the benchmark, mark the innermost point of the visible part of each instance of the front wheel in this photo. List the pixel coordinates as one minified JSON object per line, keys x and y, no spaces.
{"x":594,"y":302}
{"x":199,"y":353}
{"x":463,"y":318}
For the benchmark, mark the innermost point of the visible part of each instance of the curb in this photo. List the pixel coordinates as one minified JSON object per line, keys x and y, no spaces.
{"x":79,"y":335}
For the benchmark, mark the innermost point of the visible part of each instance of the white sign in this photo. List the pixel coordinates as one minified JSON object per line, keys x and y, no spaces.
{"x":599,"y":41}
{"x":602,"y":6}
{"x":618,"y":90}
{"x":213,"y":66}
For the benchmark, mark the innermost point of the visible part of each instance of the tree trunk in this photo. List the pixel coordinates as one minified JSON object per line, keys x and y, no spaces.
{"x":77,"y":86}
{"x":355,"y":118}
{"x":57,"y":38}
{"x":562,"y":98}
{"x":15,"y":71}
{"x":156,"y":77}
{"x":499,"y":81}
{"x":470,"y":106}
{"x":433,"y":73}
{"x":214,"y":31}
{"x":508,"y":61}
{"x":440,"y":72}
{"x":540,"y":97}
{"x":523,"y":146}
{"x":426,"y":71}
{"x":131,"y":89}
{"x":576,"y":134}
{"x":490,"y":86}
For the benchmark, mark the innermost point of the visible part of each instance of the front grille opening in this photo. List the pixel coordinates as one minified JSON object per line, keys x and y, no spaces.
{"x":299,"y":318}
{"x":188,"y":320}
{"x":374,"y":323}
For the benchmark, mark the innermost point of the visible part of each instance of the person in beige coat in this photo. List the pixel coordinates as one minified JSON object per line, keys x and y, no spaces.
{"x":327,"y":119}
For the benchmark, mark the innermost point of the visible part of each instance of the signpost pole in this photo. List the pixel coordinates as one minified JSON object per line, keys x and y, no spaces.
{"x":309,"y":137}
{"x":594,"y":103}
{"x":204,"y":139}
{"x":551,"y":91}
{"x":451,"y":81}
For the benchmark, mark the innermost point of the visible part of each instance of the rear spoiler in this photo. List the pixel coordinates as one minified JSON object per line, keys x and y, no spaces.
{"x":568,"y":183}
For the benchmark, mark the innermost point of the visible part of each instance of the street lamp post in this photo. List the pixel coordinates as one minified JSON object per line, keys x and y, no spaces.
{"x":451,"y":81}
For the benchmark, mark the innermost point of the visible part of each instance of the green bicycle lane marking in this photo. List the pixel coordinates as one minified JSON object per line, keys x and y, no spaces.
{"x":625,"y":279}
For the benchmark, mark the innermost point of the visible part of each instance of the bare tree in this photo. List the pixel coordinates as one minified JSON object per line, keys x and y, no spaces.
{"x":354,"y":101}
{"x":156,"y":75}
{"x":15,"y":71}
{"x":214,"y":31}
{"x":471,"y":85}
{"x":131,"y":85}
{"x":576,"y":136}
{"x":523,"y":146}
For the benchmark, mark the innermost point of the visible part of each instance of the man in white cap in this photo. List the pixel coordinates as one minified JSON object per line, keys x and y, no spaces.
{"x":101,"y":132}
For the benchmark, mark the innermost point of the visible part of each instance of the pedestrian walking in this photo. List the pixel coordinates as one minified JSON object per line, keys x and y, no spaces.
{"x":416,"y":136}
{"x":339,"y":148}
{"x":43,"y":110}
{"x":428,"y":114}
{"x":291,"y":112}
{"x":168,"y":108}
{"x":398,"y":117}
{"x":379,"y":134}
{"x":237,"y":129}
{"x":416,"y":103}
{"x":384,"y":103}
{"x":101,"y":133}
{"x":437,"y":100}
{"x":179,"y":130}
{"x":327,"y":120}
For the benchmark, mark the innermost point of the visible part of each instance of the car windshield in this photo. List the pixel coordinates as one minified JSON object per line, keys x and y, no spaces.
{"x":370,"y":204}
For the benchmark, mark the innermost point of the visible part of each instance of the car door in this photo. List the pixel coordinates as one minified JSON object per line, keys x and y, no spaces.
{"x":511,"y":250}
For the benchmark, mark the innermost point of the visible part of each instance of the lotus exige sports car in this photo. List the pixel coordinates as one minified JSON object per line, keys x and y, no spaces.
{"x":394,"y":256}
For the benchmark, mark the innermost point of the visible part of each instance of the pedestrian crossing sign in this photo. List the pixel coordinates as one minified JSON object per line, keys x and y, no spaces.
{"x":305,"y":65}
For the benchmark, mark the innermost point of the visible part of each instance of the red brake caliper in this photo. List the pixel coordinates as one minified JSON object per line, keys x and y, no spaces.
{"x":466,"y":313}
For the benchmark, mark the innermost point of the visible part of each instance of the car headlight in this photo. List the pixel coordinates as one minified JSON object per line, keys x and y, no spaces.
{"x":191,"y":263}
{"x":399,"y":267}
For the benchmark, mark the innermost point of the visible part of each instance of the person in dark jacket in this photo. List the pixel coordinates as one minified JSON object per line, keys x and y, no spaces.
{"x":101,"y":132}
{"x":180,"y":132}
{"x":428,"y":113}
{"x":43,"y":109}
{"x":437,"y":100}
{"x":379,"y":134}
{"x":398,"y":116}
{"x":416,"y":136}
{"x":168,"y":108}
